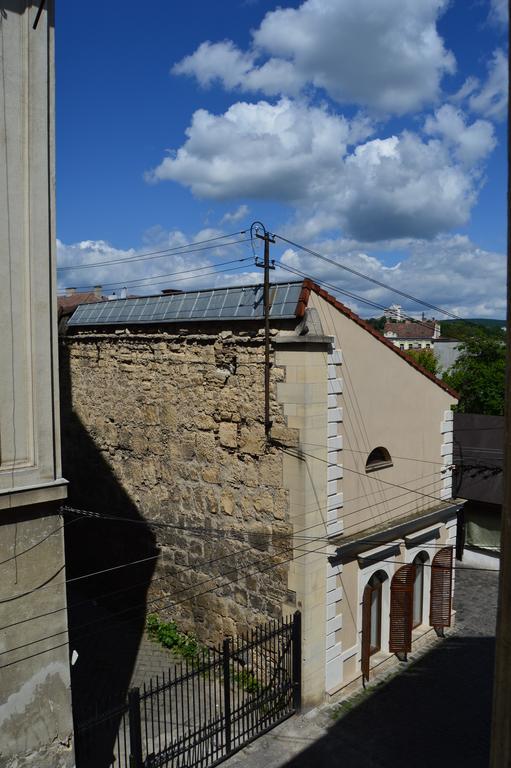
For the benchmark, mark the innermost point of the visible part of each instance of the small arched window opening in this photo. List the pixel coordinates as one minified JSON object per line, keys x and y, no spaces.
{"x":418,"y":589}
{"x":379,"y":458}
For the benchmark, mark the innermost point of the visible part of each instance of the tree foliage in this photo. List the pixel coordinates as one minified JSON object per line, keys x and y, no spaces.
{"x":426,"y":358}
{"x":479,"y":376}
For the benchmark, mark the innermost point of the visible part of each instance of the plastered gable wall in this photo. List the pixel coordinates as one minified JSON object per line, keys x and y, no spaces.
{"x":177,"y":416}
{"x":385,"y":402}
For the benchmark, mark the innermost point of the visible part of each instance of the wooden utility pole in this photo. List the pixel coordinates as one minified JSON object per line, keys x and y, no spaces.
{"x":267,"y":306}
{"x":501,"y":724}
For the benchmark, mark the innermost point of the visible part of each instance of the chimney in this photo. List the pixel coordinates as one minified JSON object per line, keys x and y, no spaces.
{"x":124,"y":292}
{"x":97,"y":291}
{"x":70,"y":291}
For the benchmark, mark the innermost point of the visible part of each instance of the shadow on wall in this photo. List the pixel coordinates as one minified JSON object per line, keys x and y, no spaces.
{"x":437,"y":712}
{"x":106,"y":612}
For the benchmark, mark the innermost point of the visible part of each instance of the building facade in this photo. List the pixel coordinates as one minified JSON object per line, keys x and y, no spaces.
{"x":351,"y":490}
{"x":35,"y":703}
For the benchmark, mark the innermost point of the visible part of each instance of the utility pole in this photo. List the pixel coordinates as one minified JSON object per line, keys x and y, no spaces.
{"x":266,"y":265}
{"x":501,"y":723}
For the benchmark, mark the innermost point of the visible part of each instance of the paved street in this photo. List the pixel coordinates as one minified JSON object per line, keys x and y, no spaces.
{"x":436,"y":712}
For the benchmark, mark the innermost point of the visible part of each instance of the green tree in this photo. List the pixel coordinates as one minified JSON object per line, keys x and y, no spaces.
{"x":479,"y":376}
{"x":426,"y":358}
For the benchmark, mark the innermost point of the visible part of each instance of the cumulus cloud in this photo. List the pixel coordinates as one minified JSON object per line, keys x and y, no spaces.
{"x":398,"y":186}
{"x":280,"y":151}
{"x":386,"y":55}
{"x":499,"y":12}
{"x":490,"y":98}
{"x":232,"y":216}
{"x":471,"y":143}
{"x":445,"y":271}
{"x":168,"y":259}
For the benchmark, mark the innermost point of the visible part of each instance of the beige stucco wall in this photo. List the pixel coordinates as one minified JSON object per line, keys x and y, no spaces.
{"x":35,"y":702}
{"x":385,"y":402}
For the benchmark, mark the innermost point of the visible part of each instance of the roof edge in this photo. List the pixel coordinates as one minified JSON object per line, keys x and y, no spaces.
{"x":309,"y":286}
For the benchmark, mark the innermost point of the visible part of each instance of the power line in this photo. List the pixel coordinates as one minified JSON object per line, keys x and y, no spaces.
{"x":122,"y":283}
{"x":340,"y":265}
{"x":176,"y":250}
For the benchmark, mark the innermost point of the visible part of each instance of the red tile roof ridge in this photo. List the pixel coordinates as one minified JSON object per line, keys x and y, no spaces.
{"x":309,"y":285}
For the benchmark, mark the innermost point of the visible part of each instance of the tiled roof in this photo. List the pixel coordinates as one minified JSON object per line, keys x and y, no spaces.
{"x":67,"y":304}
{"x":409,"y":330}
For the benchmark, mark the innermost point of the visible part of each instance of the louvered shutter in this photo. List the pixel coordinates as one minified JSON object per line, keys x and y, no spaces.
{"x":366,"y":632}
{"x":401,"y":610}
{"x":441,"y":589}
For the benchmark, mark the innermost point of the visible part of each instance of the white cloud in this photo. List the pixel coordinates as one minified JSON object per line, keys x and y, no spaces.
{"x":232,"y":216}
{"x":490,"y":99}
{"x":281,"y":152}
{"x":124,"y":267}
{"x":398,"y":186}
{"x":471,"y":143}
{"x":386,"y":55}
{"x":499,"y":12}
{"x":445,"y":272}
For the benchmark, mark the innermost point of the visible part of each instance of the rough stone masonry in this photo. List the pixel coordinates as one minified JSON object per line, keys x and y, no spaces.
{"x":167,"y":426}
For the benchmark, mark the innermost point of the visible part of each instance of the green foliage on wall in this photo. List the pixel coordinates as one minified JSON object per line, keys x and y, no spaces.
{"x":426,"y":358}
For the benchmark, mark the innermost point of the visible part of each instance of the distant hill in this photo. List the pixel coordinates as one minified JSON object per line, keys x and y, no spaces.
{"x":484,"y":326}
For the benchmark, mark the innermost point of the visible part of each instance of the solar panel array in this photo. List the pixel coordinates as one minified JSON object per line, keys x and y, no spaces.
{"x":233,"y":303}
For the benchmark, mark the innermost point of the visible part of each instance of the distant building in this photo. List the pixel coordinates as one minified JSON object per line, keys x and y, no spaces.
{"x":394,"y":312}
{"x":411,"y":335}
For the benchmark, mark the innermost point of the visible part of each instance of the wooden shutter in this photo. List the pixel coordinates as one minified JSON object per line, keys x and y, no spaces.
{"x":441,"y":589}
{"x":401,"y":610}
{"x":366,"y":632}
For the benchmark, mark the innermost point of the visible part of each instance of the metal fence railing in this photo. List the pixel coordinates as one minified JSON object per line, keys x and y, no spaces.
{"x":202,"y":711}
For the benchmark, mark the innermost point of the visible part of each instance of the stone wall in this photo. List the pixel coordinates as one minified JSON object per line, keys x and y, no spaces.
{"x":167,"y":427}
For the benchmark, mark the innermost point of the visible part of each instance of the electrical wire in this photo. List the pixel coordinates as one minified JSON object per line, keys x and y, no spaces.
{"x":176,"y":250}
{"x":125,"y":283}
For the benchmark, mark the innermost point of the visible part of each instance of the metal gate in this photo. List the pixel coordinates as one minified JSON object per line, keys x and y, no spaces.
{"x":204,"y":710}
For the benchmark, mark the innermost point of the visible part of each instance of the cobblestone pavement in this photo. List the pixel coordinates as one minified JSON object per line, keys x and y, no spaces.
{"x":437,"y":712}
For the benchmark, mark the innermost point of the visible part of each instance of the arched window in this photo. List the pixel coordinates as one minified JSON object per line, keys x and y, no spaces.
{"x":418,"y":589}
{"x":379,"y":458}
{"x":371,"y":619}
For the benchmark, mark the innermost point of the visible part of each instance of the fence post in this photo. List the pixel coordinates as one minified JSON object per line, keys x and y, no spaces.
{"x":227,"y":693}
{"x":297,"y":660}
{"x":136,"y":758}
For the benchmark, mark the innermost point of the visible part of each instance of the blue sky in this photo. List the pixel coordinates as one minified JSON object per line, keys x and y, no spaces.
{"x":372,"y":132}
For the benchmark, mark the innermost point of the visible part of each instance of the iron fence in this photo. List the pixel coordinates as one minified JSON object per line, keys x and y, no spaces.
{"x":202,"y":711}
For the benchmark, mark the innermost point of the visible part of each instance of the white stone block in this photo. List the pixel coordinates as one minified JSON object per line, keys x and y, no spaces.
{"x":331,"y":611}
{"x":335,"y":501}
{"x":332,"y":429}
{"x":334,"y":653}
{"x":334,"y":472}
{"x":334,"y":386}
{"x":332,"y":487}
{"x":335,"y":442}
{"x":446,"y":426}
{"x":333,"y":675}
{"x":334,"y":624}
{"x":448,"y":416}
{"x":331,"y":582}
{"x":332,"y":401}
{"x":333,"y":596}
{"x":334,"y":528}
{"x":330,"y":640}
{"x":335,"y":357}
{"x":332,"y":372}
{"x":446,"y":449}
{"x":334,"y":415}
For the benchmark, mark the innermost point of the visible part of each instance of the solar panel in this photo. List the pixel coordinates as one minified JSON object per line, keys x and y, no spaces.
{"x":233,"y":303}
